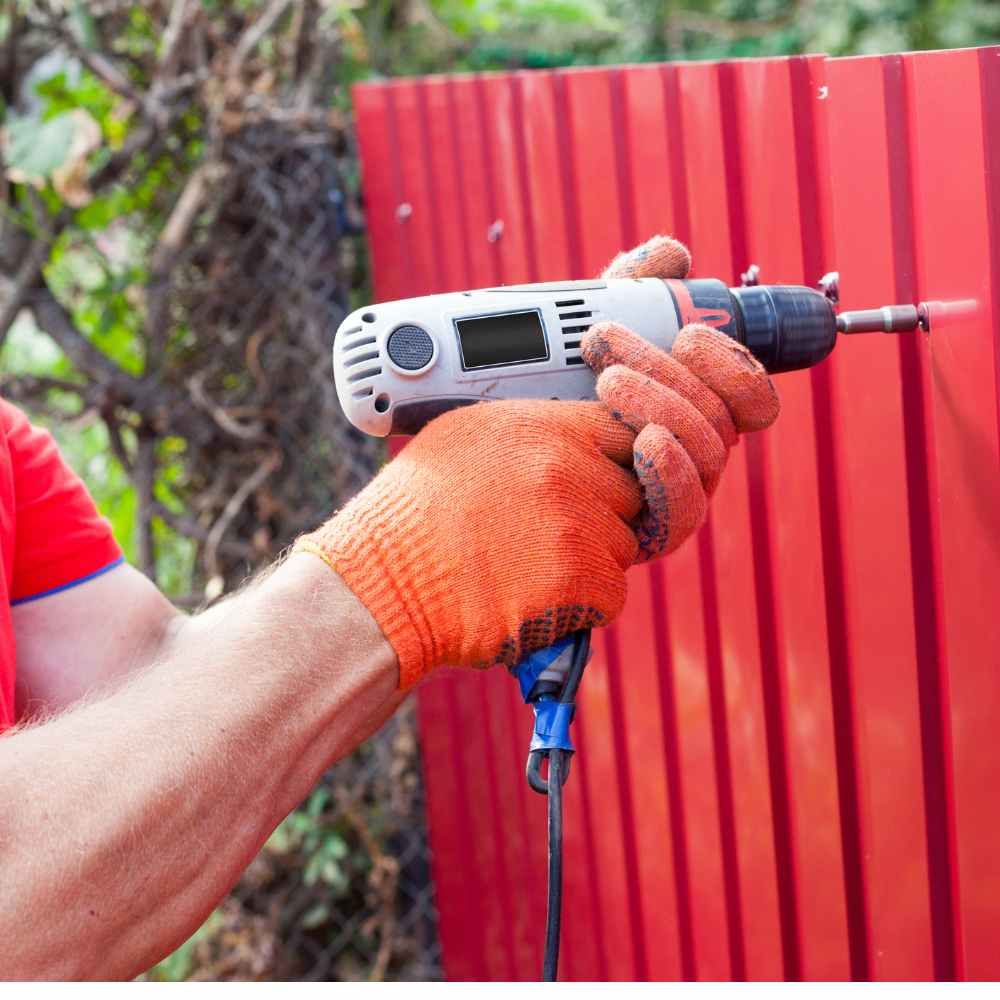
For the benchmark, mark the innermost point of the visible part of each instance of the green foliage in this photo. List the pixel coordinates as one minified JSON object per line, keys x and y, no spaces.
{"x":74,"y":88}
{"x":321,"y":845}
{"x":37,"y":147}
{"x":98,"y":266}
{"x":503,"y":33}
{"x":84,"y":442}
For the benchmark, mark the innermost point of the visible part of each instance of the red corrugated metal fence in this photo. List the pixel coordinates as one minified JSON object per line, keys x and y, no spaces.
{"x":789,"y":748}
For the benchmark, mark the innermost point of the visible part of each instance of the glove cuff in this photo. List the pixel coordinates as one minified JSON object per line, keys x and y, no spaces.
{"x":350,"y":548}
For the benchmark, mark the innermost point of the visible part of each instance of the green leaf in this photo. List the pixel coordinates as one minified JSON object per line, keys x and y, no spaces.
{"x":104,"y":210}
{"x":83,"y":25}
{"x":315,"y":916}
{"x":37,"y":148}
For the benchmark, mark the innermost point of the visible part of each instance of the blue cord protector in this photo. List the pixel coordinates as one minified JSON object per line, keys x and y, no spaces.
{"x":552,"y":717}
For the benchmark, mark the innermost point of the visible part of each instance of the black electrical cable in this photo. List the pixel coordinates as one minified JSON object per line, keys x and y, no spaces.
{"x":558,"y":773}
{"x":553,"y":915}
{"x":581,"y":650}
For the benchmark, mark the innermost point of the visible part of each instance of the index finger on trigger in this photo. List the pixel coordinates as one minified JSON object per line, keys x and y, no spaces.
{"x":732,"y":372}
{"x":607,"y":344}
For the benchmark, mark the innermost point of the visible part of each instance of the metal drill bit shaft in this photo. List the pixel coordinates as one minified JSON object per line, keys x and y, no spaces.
{"x":888,"y":319}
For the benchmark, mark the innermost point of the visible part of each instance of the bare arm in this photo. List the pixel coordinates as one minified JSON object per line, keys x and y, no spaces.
{"x":88,"y":637}
{"x":126,"y":819}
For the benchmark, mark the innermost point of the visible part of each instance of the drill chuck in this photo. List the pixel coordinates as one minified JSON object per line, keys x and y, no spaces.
{"x":786,"y":327}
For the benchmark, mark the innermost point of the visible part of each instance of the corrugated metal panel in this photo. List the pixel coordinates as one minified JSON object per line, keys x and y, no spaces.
{"x":787,"y":742}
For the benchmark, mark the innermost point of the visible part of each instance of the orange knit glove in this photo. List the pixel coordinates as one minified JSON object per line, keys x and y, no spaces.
{"x":687,"y":407}
{"x":498,"y":529}
{"x":505,"y":526}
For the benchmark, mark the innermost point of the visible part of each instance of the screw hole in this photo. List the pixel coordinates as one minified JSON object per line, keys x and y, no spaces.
{"x":382,"y":402}
{"x":368,"y":318}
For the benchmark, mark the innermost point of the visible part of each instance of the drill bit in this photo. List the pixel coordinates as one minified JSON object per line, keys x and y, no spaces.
{"x":888,"y":319}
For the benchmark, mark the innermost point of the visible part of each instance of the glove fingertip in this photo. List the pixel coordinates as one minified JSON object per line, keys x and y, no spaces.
{"x":675,"y":500}
{"x":659,"y":257}
{"x":600,"y":346}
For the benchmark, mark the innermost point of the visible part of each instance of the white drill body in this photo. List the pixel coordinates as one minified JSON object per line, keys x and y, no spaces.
{"x":399,"y":363}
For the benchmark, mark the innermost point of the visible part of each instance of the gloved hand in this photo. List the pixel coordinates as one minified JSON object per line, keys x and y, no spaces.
{"x":687,"y":407}
{"x":504,"y":526}
{"x":499,"y":528}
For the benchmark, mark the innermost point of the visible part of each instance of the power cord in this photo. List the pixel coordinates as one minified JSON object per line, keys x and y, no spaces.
{"x":554,"y":702}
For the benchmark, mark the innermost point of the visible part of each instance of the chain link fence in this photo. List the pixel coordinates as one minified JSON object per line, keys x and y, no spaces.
{"x":187,"y":266}
{"x":343,"y":888}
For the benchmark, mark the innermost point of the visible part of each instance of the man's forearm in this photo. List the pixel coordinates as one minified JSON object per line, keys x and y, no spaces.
{"x":125,"y":820}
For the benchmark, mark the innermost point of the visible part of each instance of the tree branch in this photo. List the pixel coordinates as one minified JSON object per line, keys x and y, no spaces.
{"x":232,"y":508}
{"x":169,"y":246}
{"x":172,"y":36}
{"x":250,"y":38}
{"x":251,"y":431}
{"x":29,"y":274}
{"x":144,"y":478}
{"x":102,"y":67}
{"x":113,"y":424}
{"x":33,"y":388}
{"x":53,"y":318}
{"x":190,"y":528}
{"x":139,"y":140}
{"x":8,"y":80}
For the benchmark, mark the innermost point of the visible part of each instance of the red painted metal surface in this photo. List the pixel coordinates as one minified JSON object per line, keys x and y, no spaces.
{"x":788,"y":740}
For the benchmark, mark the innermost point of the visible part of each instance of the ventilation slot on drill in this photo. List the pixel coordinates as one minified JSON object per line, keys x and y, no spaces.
{"x":355,"y":344}
{"x":360,"y":358}
{"x":573,"y":329}
{"x":363,"y":393}
{"x":366,"y":373}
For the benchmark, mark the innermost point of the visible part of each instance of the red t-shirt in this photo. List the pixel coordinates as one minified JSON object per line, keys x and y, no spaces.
{"x":51,"y":535}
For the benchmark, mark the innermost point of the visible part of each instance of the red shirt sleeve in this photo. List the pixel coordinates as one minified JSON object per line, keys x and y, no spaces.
{"x":60,"y":539}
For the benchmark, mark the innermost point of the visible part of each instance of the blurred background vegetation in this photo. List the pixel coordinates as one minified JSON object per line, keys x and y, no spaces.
{"x":179,"y":234}
{"x":53,"y":97}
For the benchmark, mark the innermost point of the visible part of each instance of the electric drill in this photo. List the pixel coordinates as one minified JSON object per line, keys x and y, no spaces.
{"x":399,"y":364}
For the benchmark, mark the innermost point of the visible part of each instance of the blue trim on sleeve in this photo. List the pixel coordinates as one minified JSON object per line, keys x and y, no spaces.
{"x":70,"y":585}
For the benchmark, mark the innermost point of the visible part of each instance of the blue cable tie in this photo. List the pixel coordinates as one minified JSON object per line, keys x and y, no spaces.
{"x":552,"y":721}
